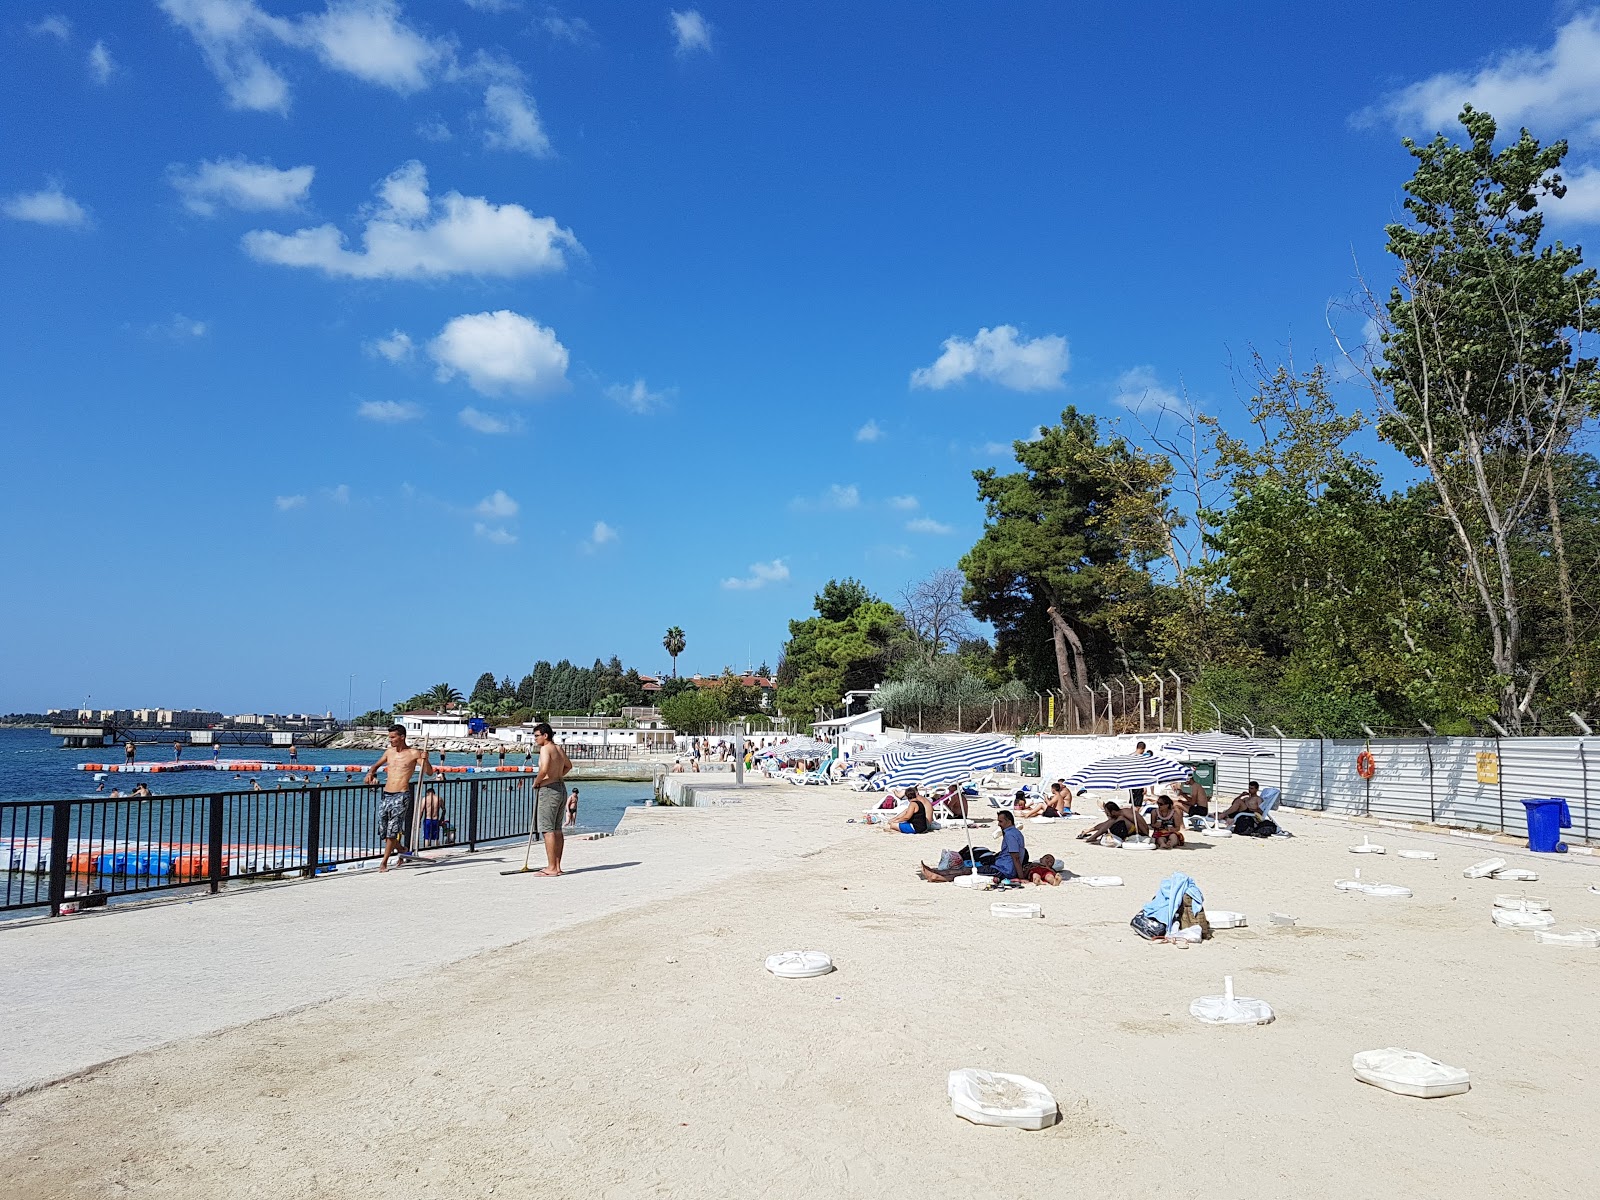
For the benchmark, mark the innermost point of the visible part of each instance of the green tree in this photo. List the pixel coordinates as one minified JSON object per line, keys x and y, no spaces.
{"x":841,"y":597}
{"x":440,"y":697}
{"x":693,"y":710}
{"x":1484,"y":379}
{"x":485,"y":692}
{"x":1061,"y":549}
{"x":674,"y":643}
{"x":826,"y":657}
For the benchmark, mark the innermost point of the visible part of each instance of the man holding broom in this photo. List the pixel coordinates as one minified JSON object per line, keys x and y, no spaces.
{"x":550,"y":795}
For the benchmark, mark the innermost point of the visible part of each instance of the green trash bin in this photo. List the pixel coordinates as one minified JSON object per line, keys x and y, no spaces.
{"x":1204,"y":772}
{"x":1031,"y":766}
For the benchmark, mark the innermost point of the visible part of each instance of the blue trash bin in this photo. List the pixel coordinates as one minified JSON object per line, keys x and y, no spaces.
{"x":1546,"y":820}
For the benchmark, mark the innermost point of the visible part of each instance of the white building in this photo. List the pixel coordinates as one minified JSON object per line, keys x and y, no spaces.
{"x":423,"y":724}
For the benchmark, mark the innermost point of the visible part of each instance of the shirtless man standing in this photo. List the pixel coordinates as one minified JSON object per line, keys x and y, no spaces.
{"x":399,"y":763}
{"x":550,"y":795}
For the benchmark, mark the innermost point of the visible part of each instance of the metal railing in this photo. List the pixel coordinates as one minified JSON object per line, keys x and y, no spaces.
{"x":65,"y":854}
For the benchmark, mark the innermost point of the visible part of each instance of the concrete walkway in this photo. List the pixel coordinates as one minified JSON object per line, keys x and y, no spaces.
{"x":82,"y":990}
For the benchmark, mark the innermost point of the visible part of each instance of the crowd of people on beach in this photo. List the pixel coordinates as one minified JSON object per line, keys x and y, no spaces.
{"x":1161,"y":815}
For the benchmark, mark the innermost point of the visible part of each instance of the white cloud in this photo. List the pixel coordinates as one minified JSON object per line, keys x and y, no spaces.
{"x":870,"y":432}
{"x":48,"y":206}
{"x":396,"y":348}
{"x":482,"y":422}
{"x":492,"y":6}
{"x":101,"y":65}
{"x":928,"y":525}
{"x":513,"y":121}
{"x":500,"y":352}
{"x":1139,"y":388}
{"x":761,"y":574}
{"x":288,"y":503}
{"x":690,"y":31}
{"x":498,"y":505}
{"x":230,"y":34}
{"x":996,"y":355}
{"x":996,"y":449}
{"x":566,"y":29}
{"x":340,"y":494}
{"x":1581,"y":204}
{"x":240,"y":183}
{"x":1558,"y":88}
{"x":180,"y":328}
{"x":839,"y":497}
{"x":409,"y":235}
{"x":389,"y":412}
{"x":602,"y":535}
{"x":637,"y":396}
{"x":434,"y":130}
{"x":497,"y":534}
{"x":363,"y":38}
{"x":903,"y":503}
{"x":54,"y":25}
{"x":367,"y":39}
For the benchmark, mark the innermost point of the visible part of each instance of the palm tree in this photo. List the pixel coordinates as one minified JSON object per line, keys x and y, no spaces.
{"x":674,"y":643}
{"x":441,"y":696}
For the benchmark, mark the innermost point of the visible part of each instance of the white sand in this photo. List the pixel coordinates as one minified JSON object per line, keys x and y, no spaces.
{"x":647,"y":1053}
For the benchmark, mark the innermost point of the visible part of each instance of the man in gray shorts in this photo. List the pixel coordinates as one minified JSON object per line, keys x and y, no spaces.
{"x":550,"y":795}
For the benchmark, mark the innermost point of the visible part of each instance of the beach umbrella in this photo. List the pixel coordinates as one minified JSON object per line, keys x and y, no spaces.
{"x":1214,"y":745}
{"x":950,"y":762}
{"x":804,"y":747}
{"x":1128,"y":771}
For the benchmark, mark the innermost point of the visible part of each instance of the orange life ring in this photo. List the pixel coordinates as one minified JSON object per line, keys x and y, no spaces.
{"x":1365,"y":766}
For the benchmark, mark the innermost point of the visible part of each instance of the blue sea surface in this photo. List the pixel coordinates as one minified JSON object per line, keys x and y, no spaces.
{"x":33,"y":766}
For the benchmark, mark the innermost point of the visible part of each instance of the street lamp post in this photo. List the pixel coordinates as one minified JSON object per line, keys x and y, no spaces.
{"x":349,"y":699}
{"x":381,"y":682}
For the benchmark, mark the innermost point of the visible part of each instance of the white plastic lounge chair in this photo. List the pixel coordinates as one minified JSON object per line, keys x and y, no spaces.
{"x":1407,"y":1073}
{"x":1269,"y":800}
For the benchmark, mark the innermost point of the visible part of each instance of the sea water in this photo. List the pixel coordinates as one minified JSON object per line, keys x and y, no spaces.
{"x":33,"y":766}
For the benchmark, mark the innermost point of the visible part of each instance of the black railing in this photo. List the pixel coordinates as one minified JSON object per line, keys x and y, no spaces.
{"x":69,"y":854}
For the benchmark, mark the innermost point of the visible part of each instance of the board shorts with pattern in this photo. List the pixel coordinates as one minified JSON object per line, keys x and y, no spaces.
{"x":392,"y":816}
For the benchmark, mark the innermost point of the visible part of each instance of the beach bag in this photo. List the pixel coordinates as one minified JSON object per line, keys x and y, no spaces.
{"x":1147,"y":927}
{"x":1244,"y":825}
{"x":1187,"y":917}
{"x":1266,"y":827}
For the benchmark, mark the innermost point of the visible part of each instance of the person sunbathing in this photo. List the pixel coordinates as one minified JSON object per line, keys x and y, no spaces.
{"x":1009,"y":862}
{"x":1057,"y":804}
{"x":1166,"y":823}
{"x":1247,"y":801}
{"x":954,"y":802}
{"x":1046,"y":870}
{"x":1120,"y":823}
{"x":914,"y":817}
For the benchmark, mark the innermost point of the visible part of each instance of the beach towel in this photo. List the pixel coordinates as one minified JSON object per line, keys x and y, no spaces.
{"x":1164,"y":907}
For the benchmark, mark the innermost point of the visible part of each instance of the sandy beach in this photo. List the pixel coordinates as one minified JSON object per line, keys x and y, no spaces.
{"x":645,"y":1051}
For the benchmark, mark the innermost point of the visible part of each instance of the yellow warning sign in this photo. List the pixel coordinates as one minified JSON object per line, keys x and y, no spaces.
{"x":1488,"y":766}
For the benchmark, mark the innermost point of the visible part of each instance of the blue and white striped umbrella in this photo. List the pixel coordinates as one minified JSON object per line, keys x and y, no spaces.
{"x":953,"y":762}
{"x":1213,"y":745}
{"x":1128,"y":771}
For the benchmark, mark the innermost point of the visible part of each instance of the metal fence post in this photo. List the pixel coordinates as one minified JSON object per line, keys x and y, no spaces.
{"x":1322,"y":784}
{"x":1500,"y":776}
{"x":472,"y":815}
{"x":313,"y":832}
{"x":1433,"y":808}
{"x":214,"y":844}
{"x":60,"y":825}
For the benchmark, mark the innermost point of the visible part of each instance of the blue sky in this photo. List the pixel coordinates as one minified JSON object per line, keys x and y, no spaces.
{"x":413,"y":340}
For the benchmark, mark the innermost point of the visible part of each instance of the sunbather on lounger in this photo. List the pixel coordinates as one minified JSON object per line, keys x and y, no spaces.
{"x":1119,"y":823}
{"x":1057,"y":804}
{"x":1248,"y":801}
{"x":954,"y":802}
{"x":1010,"y":862}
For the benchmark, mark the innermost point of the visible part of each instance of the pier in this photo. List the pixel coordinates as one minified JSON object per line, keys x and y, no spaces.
{"x":86,"y":735}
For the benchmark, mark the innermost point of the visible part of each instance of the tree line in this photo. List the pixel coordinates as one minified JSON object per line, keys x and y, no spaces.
{"x":1273,"y":565}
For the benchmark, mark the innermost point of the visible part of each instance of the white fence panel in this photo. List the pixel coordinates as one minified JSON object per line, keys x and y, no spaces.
{"x":1402,"y":779}
{"x":1462,"y":800}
